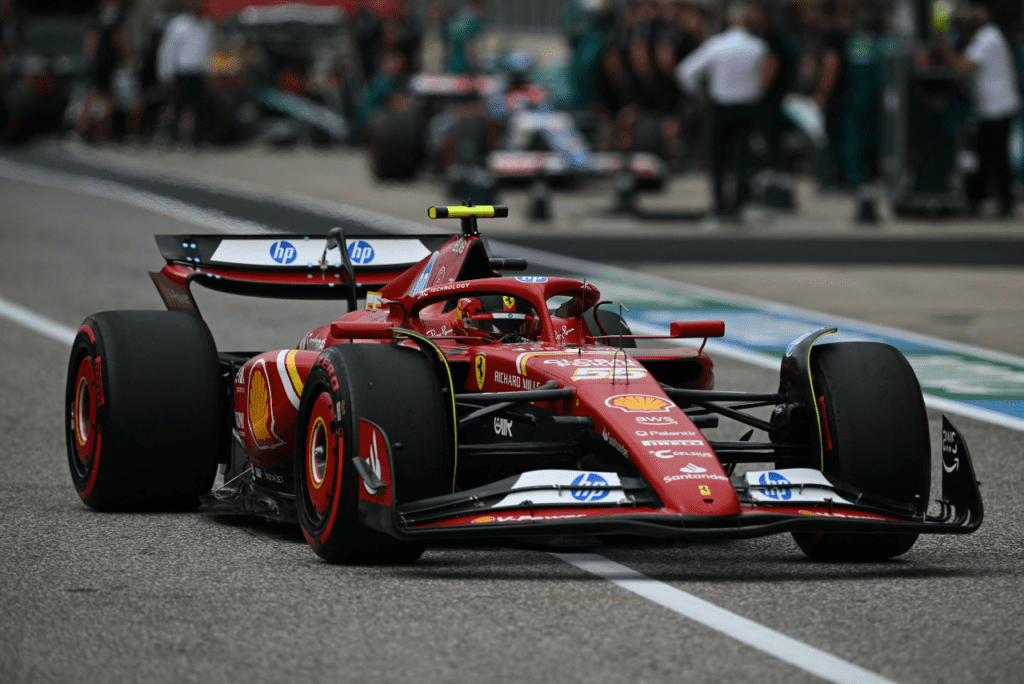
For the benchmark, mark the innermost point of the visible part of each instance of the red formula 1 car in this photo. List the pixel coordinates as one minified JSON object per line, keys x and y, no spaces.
{"x":459,"y":404}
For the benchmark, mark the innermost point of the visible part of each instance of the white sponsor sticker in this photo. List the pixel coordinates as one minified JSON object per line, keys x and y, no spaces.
{"x":694,"y":476}
{"x":670,"y":453}
{"x":575,"y":488}
{"x":664,"y":433}
{"x":656,"y":421}
{"x":791,"y":485}
{"x":673,"y":442}
{"x":291,"y":251}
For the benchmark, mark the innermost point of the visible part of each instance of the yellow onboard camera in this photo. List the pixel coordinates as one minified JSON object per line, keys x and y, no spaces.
{"x":468,"y":214}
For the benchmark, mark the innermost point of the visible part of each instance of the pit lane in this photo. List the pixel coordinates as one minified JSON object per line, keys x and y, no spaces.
{"x":94,"y":597}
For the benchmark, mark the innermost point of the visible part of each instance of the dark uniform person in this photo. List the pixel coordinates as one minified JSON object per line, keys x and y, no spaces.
{"x":862,"y":113}
{"x":997,"y":100}
{"x":734,"y":62}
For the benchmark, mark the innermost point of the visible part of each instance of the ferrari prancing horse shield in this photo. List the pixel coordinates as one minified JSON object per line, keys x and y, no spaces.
{"x":480,"y":365}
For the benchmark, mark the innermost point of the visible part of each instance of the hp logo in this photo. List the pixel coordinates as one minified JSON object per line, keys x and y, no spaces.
{"x":777,"y":482}
{"x":361,"y":252}
{"x":283,"y":252}
{"x":590,"y":480}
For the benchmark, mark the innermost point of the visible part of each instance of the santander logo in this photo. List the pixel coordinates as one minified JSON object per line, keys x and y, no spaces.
{"x":690,"y":468}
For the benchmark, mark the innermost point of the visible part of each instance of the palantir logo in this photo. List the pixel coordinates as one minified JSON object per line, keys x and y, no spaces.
{"x":361,"y":252}
{"x":776,"y":490}
{"x":283,"y":252}
{"x":589,"y":480}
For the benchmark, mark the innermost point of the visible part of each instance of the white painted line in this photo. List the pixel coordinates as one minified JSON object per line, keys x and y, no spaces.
{"x":218,"y":221}
{"x":255,"y":191}
{"x":33,"y":321}
{"x":386,"y":223}
{"x":778,"y":645}
{"x":158,"y":204}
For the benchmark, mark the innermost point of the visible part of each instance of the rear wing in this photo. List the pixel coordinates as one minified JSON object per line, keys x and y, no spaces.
{"x":284,"y":266}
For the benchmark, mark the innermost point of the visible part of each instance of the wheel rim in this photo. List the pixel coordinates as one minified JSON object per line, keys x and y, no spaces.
{"x":83,"y":411}
{"x":323,"y":446}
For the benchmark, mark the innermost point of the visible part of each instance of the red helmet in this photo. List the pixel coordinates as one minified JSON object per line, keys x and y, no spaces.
{"x":496,"y":317}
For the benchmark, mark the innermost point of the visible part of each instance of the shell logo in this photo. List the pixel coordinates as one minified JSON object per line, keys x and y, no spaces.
{"x":485,"y":519}
{"x":259,"y":406}
{"x":638,"y":403}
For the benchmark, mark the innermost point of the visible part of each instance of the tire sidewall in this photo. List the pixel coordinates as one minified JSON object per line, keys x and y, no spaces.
{"x":341,"y":512}
{"x":88,"y":478}
{"x":160,"y":417}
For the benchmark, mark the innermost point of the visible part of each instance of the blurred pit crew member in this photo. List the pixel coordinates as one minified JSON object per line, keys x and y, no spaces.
{"x":738,"y":66}
{"x":106,"y":48}
{"x":182,"y":68}
{"x":989,"y":61}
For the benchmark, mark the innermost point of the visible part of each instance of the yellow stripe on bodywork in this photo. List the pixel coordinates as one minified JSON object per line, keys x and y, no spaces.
{"x":293,"y":371}
{"x":814,"y":399}
{"x":455,"y":415}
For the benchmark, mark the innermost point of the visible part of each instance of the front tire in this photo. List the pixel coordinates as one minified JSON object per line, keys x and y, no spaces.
{"x":875,"y":438}
{"x":144,"y":411}
{"x":394,"y":388}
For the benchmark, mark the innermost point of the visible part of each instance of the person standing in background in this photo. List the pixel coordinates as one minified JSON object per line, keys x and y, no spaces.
{"x":862,"y":111}
{"x":106,"y":48}
{"x":463,"y":32}
{"x":997,"y":100}
{"x":738,"y":66}
{"x":784,"y":46}
{"x":182,"y":67}
{"x":830,"y":91}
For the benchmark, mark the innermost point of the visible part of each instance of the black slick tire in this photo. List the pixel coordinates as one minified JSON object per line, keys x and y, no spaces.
{"x":396,"y":389}
{"x":875,"y":436}
{"x":396,"y":148}
{"x":144,"y":411}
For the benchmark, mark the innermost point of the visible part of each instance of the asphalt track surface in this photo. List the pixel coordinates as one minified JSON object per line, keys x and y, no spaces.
{"x":92,"y":597}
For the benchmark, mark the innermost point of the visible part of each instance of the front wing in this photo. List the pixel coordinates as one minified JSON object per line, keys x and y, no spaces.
{"x":514,"y":508}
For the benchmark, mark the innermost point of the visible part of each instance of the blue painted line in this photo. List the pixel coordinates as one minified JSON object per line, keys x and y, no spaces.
{"x":956,"y":378}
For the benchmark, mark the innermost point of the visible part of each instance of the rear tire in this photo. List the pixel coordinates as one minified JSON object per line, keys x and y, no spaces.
{"x":396,"y":389}
{"x":396,"y":149}
{"x":876,"y":440}
{"x":145,"y":411}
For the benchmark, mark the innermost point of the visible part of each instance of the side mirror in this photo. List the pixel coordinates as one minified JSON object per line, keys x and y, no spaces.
{"x":697,"y":329}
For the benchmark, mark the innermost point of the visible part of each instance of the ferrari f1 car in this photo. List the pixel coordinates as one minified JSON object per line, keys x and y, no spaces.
{"x":461,"y":404}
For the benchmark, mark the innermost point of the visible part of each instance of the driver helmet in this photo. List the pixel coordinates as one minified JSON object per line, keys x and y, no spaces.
{"x":496,"y":316}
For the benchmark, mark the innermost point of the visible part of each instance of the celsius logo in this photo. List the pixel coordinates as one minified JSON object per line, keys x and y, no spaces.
{"x":283,"y":252}
{"x":361,"y":252}
{"x":589,"y":480}
{"x":775,"y":481}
